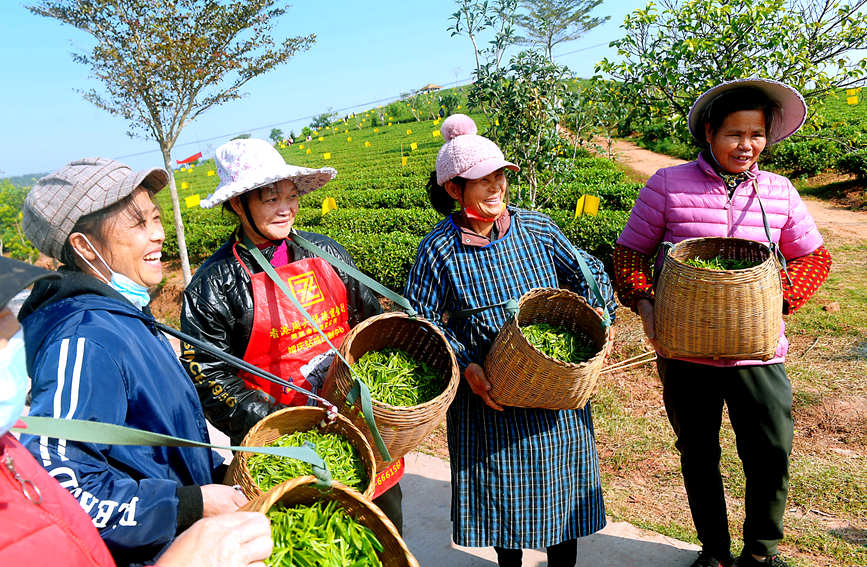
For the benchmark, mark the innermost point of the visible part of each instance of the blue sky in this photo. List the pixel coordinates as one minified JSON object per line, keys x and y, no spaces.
{"x":364,"y":52}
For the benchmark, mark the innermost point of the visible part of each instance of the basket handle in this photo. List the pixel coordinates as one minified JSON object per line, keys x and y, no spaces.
{"x":269,"y":269}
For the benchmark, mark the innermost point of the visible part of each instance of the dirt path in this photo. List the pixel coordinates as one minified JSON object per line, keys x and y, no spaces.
{"x":849,"y":225}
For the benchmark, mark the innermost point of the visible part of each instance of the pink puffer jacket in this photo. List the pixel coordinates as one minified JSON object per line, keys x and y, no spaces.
{"x":691,"y":200}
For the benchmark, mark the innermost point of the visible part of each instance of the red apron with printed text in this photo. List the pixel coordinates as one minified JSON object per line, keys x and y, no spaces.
{"x":281,"y":340}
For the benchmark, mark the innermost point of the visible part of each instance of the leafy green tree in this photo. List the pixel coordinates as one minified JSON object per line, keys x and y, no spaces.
{"x":162,"y":64}
{"x":671,"y":55}
{"x":551,"y":22}
{"x":322,"y":120}
{"x":526,"y":101}
{"x":475,"y":18}
{"x":12,"y":240}
{"x":276,"y":135}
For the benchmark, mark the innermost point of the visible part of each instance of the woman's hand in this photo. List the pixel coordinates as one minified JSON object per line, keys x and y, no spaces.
{"x":239,"y":539}
{"x":610,"y":345}
{"x":221,"y":499}
{"x":479,"y":384}
{"x":645,"y":309}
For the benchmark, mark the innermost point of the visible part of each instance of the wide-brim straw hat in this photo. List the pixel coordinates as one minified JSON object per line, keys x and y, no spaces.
{"x":247,"y":164}
{"x":15,"y":276}
{"x":788,"y":119}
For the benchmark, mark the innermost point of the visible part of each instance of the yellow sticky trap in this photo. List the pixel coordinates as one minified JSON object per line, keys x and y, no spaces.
{"x":211,"y":173}
{"x":192,"y":201}
{"x":403,"y":160}
{"x":185,"y":185}
{"x":413,"y":146}
{"x":587,"y":205}
{"x":366,"y":144}
{"x":579,"y":207}
{"x":326,"y":155}
{"x":852,"y":100}
{"x":851,"y":92}
{"x":328,"y":204}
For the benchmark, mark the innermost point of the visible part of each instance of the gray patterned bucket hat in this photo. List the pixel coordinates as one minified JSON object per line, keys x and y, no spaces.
{"x":58,"y":200}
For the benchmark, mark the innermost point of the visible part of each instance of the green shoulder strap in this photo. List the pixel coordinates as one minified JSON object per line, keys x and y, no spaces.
{"x":355,"y":273}
{"x":86,"y":431}
{"x":266,"y":266}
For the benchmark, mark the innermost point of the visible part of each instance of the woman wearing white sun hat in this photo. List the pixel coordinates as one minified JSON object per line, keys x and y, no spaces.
{"x":718,"y":195}
{"x":232,"y":303}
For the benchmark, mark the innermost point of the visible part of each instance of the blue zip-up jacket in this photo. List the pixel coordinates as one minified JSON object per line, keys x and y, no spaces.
{"x":93,"y":355}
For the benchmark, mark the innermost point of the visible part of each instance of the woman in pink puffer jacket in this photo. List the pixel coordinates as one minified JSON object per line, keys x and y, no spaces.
{"x":715,"y":195}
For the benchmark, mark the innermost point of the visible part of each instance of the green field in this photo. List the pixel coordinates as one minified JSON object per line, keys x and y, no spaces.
{"x":382,"y":209}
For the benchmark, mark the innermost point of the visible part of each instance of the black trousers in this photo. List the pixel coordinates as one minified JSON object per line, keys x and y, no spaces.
{"x":391,"y":504}
{"x":759,"y":400}
{"x":563,"y":554}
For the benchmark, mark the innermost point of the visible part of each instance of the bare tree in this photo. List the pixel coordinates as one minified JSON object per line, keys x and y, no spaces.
{"x":162,"y":64}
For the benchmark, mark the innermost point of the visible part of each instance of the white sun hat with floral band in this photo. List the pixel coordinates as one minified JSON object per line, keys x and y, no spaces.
{"x":787,"y":120}
{"x":247,"y":164}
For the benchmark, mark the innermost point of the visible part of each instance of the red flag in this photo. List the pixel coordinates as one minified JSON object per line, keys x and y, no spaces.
{"x":190,"y":159}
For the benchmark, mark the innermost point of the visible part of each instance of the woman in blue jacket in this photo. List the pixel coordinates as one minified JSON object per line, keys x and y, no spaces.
{"x":94,"y":353}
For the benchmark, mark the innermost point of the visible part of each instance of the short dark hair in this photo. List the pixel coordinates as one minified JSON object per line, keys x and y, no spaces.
{"x":95,"y":225}
{"x":439,"y":198}
{"x":735,"y":100}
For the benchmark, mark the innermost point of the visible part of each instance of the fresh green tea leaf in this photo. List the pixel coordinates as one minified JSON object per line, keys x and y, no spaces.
{"x":395,"y":378}
{"x":342,"y":458}
{"x":559,"y":343}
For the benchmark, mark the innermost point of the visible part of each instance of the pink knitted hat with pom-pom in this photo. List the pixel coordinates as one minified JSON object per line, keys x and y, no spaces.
{"x":466,"y":154}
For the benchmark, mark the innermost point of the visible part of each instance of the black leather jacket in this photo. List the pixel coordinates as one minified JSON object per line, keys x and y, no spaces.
{"x":218,"y":308}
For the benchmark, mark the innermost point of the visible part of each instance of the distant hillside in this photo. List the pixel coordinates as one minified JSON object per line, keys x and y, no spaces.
{"x":26,"y":180}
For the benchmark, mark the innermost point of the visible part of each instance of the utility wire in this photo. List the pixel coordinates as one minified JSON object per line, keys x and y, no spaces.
{"x":200,"y":141}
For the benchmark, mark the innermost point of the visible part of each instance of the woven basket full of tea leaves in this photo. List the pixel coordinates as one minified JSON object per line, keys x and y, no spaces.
{"x":522,"y":376}
{"x":290,"y":420}
{"x":303,"y":491}
{"x":711,"y":313}
{"x":402,"y":428}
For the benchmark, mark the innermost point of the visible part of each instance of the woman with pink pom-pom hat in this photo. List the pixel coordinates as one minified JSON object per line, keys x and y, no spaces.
{"x":521,"y":478}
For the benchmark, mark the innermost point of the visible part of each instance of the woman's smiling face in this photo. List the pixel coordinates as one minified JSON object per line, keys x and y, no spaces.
{"x":273,"y":208}
{"x":487,"y":194}
{"x":739,"y":140}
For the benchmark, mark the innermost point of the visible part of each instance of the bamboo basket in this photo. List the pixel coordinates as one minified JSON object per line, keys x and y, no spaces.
{"x":702,"y":313}
{"x":521,"y":376}
{"x":402,"y":428}
{"x":304,"y":491}
{"x":290,"y":420}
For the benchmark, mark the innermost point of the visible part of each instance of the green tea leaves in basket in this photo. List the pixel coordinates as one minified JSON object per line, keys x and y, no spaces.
{"x":395,"y":378}
{"x":343,"y":461}
{"x":559,"y":343}
{"x":321,"y":535}
{"x":719,"y":263}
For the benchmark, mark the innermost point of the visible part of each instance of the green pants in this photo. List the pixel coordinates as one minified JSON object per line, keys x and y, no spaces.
{"x":759,"y":400}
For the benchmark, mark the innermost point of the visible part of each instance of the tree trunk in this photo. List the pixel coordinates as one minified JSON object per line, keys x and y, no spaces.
{"x":179,"y":223}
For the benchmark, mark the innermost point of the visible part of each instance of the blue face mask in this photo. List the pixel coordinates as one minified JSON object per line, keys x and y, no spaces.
{"x":135,"y":293}
{"x":13,"y":381}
